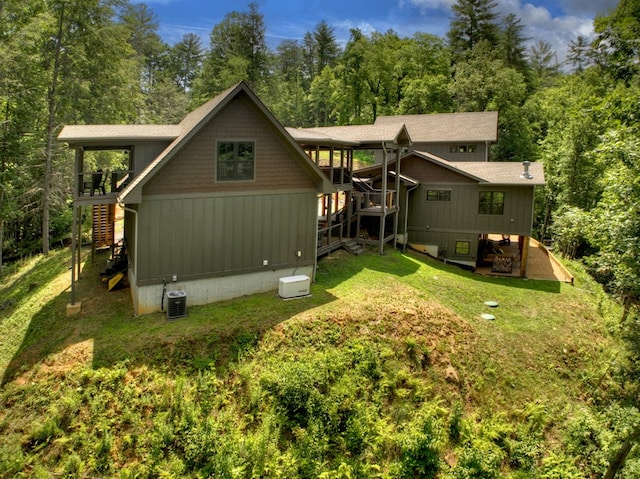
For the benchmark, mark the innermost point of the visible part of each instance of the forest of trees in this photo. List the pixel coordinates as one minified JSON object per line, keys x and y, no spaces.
{"x":103,"y":61}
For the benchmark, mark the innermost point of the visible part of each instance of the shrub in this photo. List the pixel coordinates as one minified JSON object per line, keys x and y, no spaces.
{"x":420,"y":455}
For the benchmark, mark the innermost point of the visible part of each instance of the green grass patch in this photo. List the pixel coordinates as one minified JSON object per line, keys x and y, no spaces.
{"x":387,"y":370}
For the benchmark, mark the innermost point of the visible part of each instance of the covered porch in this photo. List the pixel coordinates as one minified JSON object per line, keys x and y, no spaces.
{"x":521,"y":257}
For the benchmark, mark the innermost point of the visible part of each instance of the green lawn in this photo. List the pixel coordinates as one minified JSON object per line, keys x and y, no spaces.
{"x":387,"y":370}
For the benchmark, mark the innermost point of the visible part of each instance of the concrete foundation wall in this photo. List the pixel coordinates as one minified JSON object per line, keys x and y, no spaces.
{"x":147,"y":299}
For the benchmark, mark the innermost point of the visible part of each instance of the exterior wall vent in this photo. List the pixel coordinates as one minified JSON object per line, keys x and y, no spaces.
{"x":176,"y":304}
{"x":293,"y":286}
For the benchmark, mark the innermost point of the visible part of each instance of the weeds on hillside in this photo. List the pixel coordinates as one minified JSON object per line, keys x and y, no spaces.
{"x":372,"y":377}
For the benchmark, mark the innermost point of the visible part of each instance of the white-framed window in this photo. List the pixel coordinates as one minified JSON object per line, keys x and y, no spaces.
{"x":235,"y":160}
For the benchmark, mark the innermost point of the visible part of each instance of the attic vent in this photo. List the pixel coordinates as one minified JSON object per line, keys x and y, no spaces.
{"x":525,"y":174}
{"x":176,"y":304}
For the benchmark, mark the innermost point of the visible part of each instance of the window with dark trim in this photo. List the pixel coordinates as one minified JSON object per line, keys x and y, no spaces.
{"x":463,"y":148}
{"x":491,"y":203}
{"x":235,"y":160}
{"x":438,"y":195}
{"x":463,"y":248}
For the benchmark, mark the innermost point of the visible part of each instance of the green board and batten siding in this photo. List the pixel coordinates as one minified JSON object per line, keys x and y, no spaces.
{"x":461,"y":212}
{"x":217,"y":236}
{"x":194,"y":226}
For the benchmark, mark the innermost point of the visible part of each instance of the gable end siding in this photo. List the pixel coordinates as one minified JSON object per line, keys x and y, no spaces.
{"x":193,"y":168}
{"x":427,"y":172}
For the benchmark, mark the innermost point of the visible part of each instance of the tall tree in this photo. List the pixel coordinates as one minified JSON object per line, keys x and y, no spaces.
{"x":287,"y":97}
{"x":512,"y":42}
{"x":544,"y":63}
{"x":425,"y":88}
{"x":185,"y":59}
{"x":327,"y":49}
{"x":74,"y":68}
{"x":579,"y":53}
{"x":616,"y":46}
{"x":238,"y":51}
{"x":141,"y":25}
{"x":354,"y":78}
{"x":473,"y":21}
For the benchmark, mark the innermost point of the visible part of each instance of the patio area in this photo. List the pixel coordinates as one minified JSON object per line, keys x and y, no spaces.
{"x":541,"y":263}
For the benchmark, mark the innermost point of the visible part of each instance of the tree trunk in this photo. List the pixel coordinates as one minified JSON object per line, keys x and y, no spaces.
{"x":547,"y":218}
{"x":619,"y":459}
{"x":51,"y":126}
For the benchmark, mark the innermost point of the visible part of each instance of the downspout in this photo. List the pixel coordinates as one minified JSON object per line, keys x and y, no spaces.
{"x":135,"y":248}
{"x":315,"y":241}
{"x":406,"y":218}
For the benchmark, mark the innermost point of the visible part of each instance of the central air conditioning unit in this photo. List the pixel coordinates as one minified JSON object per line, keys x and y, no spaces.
{"x":294,"y":286}
{"x":176,"y":304}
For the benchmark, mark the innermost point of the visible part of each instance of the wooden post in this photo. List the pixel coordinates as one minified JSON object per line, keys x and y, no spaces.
{"x":397,"y":202}
{"x":79,"y":241}
{"x":383,"y":199}
{"x":525,"y":257}
{"x":73,"y":254}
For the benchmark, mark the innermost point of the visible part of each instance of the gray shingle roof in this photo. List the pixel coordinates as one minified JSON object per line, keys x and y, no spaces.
{"x":492,"y":172}
{"x":441,"y":127}
{"x":356,"y":135}
{"x":77,"y":133}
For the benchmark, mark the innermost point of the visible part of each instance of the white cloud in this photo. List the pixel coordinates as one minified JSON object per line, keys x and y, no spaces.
{"x":541,"y":25}
{"x":559,"y":27}
{"x":425,"y":5}
{"x":588,"y":7}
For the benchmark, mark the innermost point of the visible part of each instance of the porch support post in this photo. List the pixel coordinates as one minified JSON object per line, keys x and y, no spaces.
{"x":397,"y":200}
{"x":72,"y":306}
{"x":524,"y":257}
{"x":383,"y":205}
{"x":79,"y":241}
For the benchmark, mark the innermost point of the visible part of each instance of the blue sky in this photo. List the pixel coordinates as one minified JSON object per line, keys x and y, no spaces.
{"x":555,"y":21}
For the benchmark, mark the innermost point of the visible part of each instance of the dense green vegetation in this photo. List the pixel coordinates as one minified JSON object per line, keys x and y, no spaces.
{"x":331,"y":386}
{"x":387,"y":370}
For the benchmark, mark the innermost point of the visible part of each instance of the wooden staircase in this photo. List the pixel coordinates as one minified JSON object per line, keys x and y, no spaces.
{"x":352,"y":247}
{"x":103,"y":225}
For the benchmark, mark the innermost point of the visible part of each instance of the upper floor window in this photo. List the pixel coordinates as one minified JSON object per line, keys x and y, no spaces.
{"x":491,"y":203}
{"x":438,"y":195}
{"x":463,"y":148}
{"x":235,"y":160}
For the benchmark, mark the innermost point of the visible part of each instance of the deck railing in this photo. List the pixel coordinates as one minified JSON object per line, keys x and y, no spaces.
{"x":338,"y":175}
{"x":102,"y":183}
{"x":330,"y":238}
{"x":374,"y":199}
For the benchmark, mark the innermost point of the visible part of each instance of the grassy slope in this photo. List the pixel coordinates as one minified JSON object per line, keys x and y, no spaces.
{"x":347,"y":381}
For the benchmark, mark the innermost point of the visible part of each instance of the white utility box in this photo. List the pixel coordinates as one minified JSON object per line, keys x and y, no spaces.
{"x":294,"y":286}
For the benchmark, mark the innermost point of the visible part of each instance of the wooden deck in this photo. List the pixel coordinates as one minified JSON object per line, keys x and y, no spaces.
{"x":541,"y":263}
